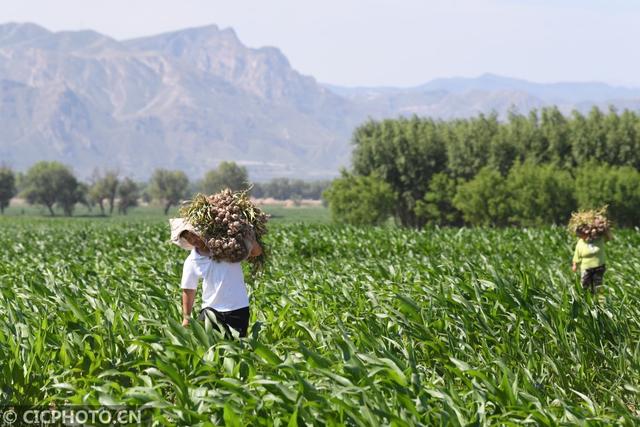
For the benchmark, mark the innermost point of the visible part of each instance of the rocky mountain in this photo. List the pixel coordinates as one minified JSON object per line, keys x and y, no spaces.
{"x":187,"y":100}
{"x":192,"y":98}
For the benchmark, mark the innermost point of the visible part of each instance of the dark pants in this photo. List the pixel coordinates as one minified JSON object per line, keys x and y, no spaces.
{"x":591,"y":278}
{"x":236,"y":319}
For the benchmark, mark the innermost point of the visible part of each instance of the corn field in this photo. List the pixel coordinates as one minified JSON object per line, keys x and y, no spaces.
{"x":349,"y":326}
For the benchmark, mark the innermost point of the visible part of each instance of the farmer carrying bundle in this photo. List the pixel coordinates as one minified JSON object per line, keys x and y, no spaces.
{"x":220,"y":230}
{"x":593,"y":229}
{"x":227,"y":222}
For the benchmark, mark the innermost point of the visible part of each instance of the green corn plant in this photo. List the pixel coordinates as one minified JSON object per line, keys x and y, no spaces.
{"x":349,"y":326}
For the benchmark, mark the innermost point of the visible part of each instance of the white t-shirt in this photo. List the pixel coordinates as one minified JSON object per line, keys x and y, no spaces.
{"x":223,"y":287}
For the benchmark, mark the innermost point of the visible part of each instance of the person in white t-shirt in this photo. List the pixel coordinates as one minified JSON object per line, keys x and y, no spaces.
{"x":224,"y":293}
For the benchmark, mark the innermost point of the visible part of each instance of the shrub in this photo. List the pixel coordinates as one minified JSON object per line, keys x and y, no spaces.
{"x":359,"y":200}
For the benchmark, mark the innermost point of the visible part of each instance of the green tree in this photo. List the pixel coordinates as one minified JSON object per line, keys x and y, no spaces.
{"x":145,"y":194}
{"x":314,"y":189}
{"x":485,"y":199}
{"x":278,"y":188}
{"x":523,"y":134}
{"x":50,"y":183}
{"x":502,"y":150}
{"x":618,"y":187}
{"x":72,"y":192}
{"x":128,"y":195}
{"x":7,"y":187}
{"x":621,"y":139}
{"x":437,"y":205}
{"x":97,"y":192}
{"x":594,"y":185}
{"x":589,"y":137}
{"x":626,"y":199}
{"x":110,"y":184}
{"x":168,"y":186}
{"x":554,"y":129}
{"x":359,"y":200}
{"x":226,"y":175}
{"x":579,"y":139}
{"x":95,"y":196}
{"x":404,"y":153}
{"x":409,"y":153}
{"x":285,"y":188}
{"x":469,"y":144}
{"x":83,"y":196}
{"x":104,"y":187}
{"x":535,"y":145}
{"x":540,"y":194}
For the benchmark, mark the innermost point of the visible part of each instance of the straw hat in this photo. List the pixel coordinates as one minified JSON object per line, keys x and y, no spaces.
{"x":178,"y":225}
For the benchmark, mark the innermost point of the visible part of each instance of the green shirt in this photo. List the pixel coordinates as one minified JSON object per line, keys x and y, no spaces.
{"x":589,"y":254}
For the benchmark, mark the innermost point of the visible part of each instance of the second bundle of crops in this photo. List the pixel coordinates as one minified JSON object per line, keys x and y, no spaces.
{"x":227,"y":221}
{"x":590,"y":223}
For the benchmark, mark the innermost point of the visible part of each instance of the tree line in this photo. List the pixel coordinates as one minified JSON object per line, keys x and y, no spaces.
{"x":289,"y":189}
{"x":527,"y":170}
{"x":52,"y":184}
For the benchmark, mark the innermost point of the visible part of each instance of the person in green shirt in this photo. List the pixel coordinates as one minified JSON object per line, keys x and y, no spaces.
{"x":589,"y":256}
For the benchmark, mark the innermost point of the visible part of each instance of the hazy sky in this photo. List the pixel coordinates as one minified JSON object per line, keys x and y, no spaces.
{"x":389,"y":42}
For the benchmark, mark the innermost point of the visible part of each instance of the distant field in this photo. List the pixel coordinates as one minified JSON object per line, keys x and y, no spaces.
{"x":280,"y":213}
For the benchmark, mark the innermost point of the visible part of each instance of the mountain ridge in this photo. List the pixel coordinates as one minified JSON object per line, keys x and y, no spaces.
{"x":188,"y":99}
{"x":491,"y":82}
